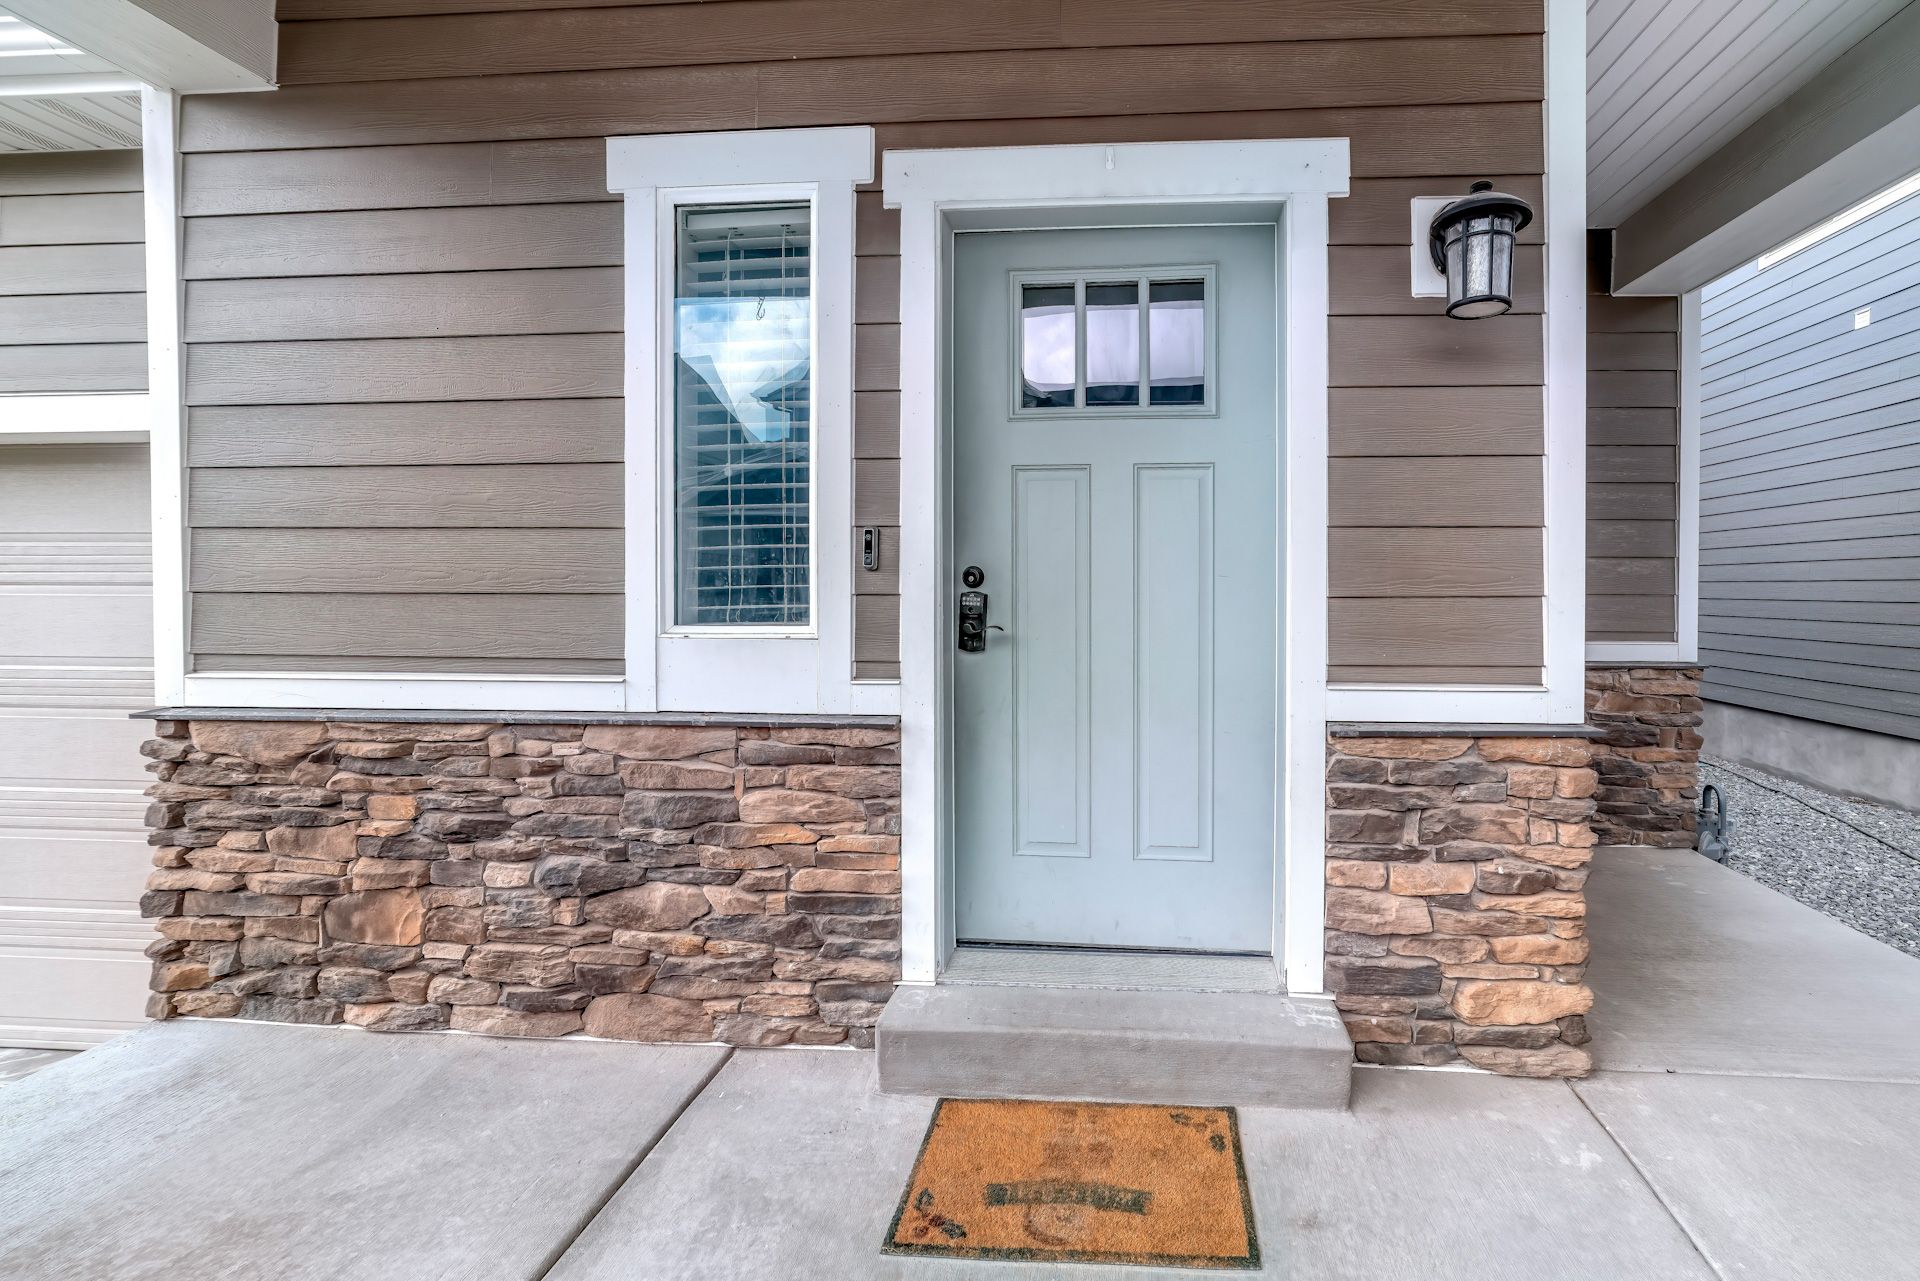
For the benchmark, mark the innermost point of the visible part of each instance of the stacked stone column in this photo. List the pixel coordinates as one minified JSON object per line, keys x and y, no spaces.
{"x":1649,"y":756}
{"x":639,"y":882}
{"x":1456,"y":906}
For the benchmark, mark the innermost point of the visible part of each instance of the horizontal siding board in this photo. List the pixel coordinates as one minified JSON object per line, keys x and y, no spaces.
{"x":1422,"y":631}
{"x":73,"y":367}
{"x":48,"y":319}
{"x":1630,"y":575}
{"x":481,"y":44}
{"x":876,"y":228}
{"x":1435,"y":562}
{"x":876,"y":290}
{"x":1397,"y":422}
{"x":876,"y":491}
{"x":1881,"y":722}
{"x":1654,"y":425}
{"x":1893,"y":455}
{"x":57,"y":173}
{"x":540,"y":367}
{"x":103,"y":219}
{"x":1844,"y":442}
{"x":545,"y":495}
{"x":1630,"y":537}
{"x":1609,"y":463}
{"x":72,"y":269}
{"x":1895,"y":480}
{"x":434,"y":176}
{"x":1827,"y":669}
{"x":426,"y":626}
{"x":1368,"y":280}
{"x":926,"y":87}
{"x":507,"y":431}
{"x":1630,"y":617}
{"x":1630,"y":389}
{"x":1633,"y":501}
{"x":1906,"y":635}
{"x":1471,"y":492}
{"x":876,"y":424}
{"x":1633,"y":351}
{"x":504,"y":561}
{"x":1434,"y":351}
{"x":1898,"y":702}
{"x":296,"y":10}
{"x":876,"y":358}
{"x":1861,"y":556}
{"x":381,"y":241}
{"x":1734,"y":648}
{"x":568,"y":300}
{"x":876,"y":629}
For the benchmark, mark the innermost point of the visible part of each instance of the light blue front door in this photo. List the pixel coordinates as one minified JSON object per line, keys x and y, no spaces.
{"x":1116,"y":482}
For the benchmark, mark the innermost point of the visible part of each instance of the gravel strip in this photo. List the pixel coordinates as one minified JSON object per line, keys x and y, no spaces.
{"x":1857,"y":862}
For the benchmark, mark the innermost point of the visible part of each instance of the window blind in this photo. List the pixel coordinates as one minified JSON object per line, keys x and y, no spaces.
{"x":743,"y":410}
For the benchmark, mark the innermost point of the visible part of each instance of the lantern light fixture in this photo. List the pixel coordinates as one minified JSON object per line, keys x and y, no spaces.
{"x":1471,"y":241}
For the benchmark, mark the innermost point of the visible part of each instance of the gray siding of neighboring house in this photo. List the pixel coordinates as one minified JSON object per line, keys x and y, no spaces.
{"x":1810,"y":481}
{"x":404,"y":287}
{"x":73,"y":314}
{"x":1633,"y":459}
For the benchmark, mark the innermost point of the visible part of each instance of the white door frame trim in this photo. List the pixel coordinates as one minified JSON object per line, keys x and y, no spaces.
{"x":929,"y":188}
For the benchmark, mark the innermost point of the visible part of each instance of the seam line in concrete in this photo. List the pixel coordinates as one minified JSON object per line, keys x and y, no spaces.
{"x":1758,"y":1076}
{"x":613,"y":1187}
{"x":1573,"y":1087}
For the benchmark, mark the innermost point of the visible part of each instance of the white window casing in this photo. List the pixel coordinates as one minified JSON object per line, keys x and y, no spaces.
{"x":751,"y":668}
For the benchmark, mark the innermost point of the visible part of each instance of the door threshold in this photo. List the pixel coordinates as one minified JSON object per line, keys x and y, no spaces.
{"x":1004,"y":966}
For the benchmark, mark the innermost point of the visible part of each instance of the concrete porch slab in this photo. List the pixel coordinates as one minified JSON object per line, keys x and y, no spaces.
{"x":1791,"y":1180}
{"x":196,"y":1150}
{"x":1698,"y":969}
{"x":790,"y":1165}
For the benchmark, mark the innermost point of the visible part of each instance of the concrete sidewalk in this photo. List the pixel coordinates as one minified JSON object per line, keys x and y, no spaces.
{"x":1736,"y":1130}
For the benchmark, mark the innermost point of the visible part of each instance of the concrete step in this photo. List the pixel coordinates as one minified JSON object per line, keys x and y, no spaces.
{"x":1247,"y":1049}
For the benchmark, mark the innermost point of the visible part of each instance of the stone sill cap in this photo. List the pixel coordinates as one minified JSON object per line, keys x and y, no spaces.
{"x":386,"y":716}
{"x":1435,"y":729}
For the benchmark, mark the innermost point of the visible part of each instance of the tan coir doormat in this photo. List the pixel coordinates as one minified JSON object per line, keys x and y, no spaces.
{"x":1079,"y":1183}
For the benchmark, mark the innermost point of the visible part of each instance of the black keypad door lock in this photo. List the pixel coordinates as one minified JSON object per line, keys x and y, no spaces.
{"x":973,"y":622}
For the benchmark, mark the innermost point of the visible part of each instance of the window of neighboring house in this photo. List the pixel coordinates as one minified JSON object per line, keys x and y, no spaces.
{"x":743,"y":416}
{"x":739,"y":420}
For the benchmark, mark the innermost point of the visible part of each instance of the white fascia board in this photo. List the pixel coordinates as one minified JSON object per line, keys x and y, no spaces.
{"x":740,"y":158}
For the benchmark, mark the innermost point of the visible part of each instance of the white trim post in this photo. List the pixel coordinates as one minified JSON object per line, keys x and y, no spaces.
{"x":1566,"y":358}
{"x":166,"y":390}
{"x":1302,"y":821}
{"x":1686,"y":565}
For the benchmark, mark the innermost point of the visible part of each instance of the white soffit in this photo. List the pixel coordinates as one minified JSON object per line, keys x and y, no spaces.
{"x":54,"y":97}
{"x":1668,"y":83}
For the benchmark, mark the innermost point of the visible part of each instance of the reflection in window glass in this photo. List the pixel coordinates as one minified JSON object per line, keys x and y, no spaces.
{"x":742,"y":415}
{"x":1113,"y":344}
{"x":1177,"y":342}
{"x":1047,"y":347}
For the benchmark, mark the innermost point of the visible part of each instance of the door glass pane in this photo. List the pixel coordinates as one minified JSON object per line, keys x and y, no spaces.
{"x":1113,"y":344}
{"x":1177,"y":341}
{"x":742,"y":415}
{"x":1047,"y":346}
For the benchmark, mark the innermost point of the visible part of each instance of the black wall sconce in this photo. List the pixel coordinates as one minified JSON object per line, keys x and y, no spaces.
{"x":1472,"y":245}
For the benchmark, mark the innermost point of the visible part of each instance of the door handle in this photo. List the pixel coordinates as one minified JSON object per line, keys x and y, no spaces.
{"x":973,"y":622}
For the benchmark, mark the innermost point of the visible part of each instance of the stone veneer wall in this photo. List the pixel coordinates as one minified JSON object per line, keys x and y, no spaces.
{"x":1649,"y":759}
{"x":1456,"y":905}
{"x":640,"y":882}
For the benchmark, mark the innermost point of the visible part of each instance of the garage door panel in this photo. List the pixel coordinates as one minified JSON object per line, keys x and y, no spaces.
{"x":72,"y":751}
{"x":74,"y":627}
{"x":75,"y":658}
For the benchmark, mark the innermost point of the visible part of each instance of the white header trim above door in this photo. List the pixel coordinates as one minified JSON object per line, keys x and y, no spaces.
{"x":930,"y":188}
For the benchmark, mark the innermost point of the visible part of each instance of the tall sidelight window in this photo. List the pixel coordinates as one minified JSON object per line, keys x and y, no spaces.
{"x":743,"y":416}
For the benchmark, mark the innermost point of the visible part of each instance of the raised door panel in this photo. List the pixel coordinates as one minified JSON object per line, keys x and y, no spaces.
{"x":1052,"y":629}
